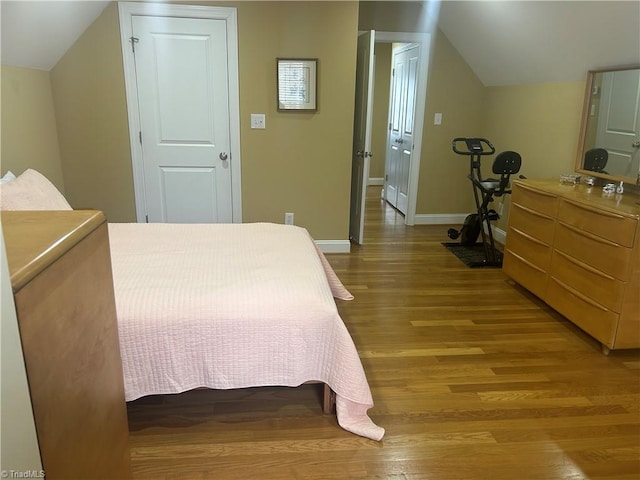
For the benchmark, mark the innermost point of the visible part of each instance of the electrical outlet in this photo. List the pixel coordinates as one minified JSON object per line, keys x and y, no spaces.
{"x":288,"y":218}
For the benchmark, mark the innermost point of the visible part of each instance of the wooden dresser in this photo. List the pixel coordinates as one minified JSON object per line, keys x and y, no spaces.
{"x":60,"y":269}
{"x":579,"y":251}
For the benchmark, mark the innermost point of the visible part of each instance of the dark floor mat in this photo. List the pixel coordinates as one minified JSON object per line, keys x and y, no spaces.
{"x":473,"y":255}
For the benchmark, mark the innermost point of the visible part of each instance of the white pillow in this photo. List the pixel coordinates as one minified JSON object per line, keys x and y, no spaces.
{"x":7,"y":177}
{"x":31,"y":191}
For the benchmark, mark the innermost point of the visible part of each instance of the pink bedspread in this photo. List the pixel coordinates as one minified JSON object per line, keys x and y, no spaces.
{"x":232,"y":306}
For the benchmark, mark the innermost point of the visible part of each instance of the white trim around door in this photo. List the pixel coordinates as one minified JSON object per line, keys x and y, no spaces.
{"x":126,"y":11}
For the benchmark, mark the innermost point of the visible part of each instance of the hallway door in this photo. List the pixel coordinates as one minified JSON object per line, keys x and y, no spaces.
{"x":400,"y":140}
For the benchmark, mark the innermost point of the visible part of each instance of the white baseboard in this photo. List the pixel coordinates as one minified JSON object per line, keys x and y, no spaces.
{"x":334,"y":246}
{"x":375,"y":181}
{"x":499,"y":235}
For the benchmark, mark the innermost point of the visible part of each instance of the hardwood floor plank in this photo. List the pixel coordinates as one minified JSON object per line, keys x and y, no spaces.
{"x":472,"y":377}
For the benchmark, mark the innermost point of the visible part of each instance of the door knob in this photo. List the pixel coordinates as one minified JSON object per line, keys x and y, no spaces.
{"x":223,"y":155}
{"x":359,"y":153}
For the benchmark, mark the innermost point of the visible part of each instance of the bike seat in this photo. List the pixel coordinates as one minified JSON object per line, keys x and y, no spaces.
{"x":505,"y":164}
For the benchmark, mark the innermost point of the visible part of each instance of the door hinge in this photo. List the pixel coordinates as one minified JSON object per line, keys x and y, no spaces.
{"x":133,"y":41}
{"x":390,"y":126}
{"x":140,"y":136}
{"x":146,"y":217}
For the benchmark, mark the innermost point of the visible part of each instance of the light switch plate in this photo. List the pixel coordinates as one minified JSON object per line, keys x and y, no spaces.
{"x":258,"y":120}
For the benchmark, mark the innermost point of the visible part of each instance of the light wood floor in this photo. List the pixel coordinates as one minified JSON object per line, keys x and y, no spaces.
{"x":472,"y":378}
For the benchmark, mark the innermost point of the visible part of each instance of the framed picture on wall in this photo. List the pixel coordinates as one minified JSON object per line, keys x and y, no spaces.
{"x":297,"y":79}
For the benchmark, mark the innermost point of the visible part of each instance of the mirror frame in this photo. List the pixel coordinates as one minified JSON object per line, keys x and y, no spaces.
{"x":585,"y":120}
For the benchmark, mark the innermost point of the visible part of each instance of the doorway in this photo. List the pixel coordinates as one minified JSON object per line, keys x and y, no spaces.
{"x":421,"y":40}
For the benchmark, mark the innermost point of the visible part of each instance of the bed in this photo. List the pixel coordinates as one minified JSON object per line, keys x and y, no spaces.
{"x":223,"y":306}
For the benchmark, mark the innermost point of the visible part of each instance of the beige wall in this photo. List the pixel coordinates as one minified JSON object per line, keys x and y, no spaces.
{"x":455,"y":91}
{"x":539,"y":121}
{"x":396,"y":16}
{"x":29,"y":135}
{"x":300,"y":163}
{"x":91,"y":111}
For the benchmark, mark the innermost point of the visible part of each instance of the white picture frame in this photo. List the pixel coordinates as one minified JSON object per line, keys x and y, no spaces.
{"x":297,"y":84}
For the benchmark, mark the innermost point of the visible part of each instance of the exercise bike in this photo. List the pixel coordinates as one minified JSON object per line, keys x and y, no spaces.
{"x":505,"y":164}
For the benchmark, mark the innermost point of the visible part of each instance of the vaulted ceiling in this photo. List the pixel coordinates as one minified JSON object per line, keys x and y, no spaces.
{"x":504,"y":42}
{"x":36,"y":34}
{"x":515,"y":42}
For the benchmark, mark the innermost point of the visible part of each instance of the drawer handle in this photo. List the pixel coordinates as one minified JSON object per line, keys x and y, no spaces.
{"x":532,"y":212}
{"x":579,"y":295}
{"x":529,"y":237}
{"x":592,"y":237}
{"x":584,"y":266}
{"x":526,"y":262}
{"x":597,"y":212}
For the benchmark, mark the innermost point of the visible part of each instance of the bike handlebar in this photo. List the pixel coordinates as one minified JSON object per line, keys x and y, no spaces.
{"x":474,"y":146}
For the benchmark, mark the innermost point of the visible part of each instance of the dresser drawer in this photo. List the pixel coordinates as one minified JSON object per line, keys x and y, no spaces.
{"x":543,"y":202}
{"x":531,"y":222}
{"x":611,"y":226}
{"x":531,"y":277}
{"x":590,"y":316}
{"x":603,"y":255}
{"x":529,"y":248}
{"x":601,"y":288}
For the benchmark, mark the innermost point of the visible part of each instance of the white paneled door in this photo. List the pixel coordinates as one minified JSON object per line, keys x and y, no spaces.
{"x":400,"y":140}
{"x":183,"y":100}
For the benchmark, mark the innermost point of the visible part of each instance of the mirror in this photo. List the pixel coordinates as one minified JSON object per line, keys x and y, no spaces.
{"x":609,"y":145}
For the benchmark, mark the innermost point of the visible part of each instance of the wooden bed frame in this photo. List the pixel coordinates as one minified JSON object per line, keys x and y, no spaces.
{"x":328,"y":397}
